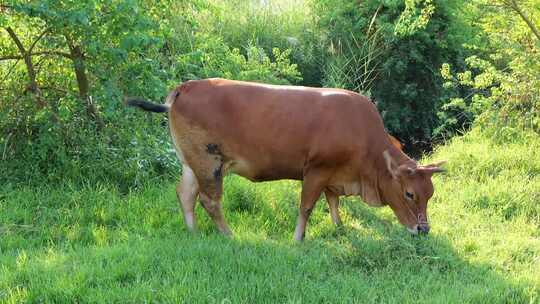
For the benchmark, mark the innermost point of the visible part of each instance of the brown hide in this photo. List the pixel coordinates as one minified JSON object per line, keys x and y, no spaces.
{"x":395,"y":142}
{"x":278,"y":131}
{"x":266,"y":132}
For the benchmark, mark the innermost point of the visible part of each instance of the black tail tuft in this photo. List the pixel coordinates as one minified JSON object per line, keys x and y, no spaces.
{"x":146,"y":105}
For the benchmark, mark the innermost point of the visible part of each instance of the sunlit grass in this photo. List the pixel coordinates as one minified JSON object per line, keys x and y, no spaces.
{"x":96,"y":244}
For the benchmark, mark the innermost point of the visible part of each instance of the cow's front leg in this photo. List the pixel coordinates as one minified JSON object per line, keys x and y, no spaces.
{"x":313,"y":184}
{"x":333,"y":203}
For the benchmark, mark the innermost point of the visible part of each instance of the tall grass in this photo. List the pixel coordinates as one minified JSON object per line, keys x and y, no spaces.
{"x":355,"y":62}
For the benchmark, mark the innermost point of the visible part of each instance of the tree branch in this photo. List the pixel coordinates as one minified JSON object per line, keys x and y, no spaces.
{"x":11,"y":57}
{"x":32,"y":82}
{"x":37,"y":40}
{"x":57,"y":53}
{"x":513,"y":5}
{"x":77,"y":56}
{"x":9,"y":71}
{"x":16,"y":40}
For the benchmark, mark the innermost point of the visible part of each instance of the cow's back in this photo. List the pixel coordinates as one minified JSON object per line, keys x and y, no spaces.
{"x":267,"y":132}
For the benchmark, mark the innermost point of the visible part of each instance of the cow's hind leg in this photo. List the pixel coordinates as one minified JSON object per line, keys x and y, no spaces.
{"x":206,"y":159}
{"x":212,"y":205}
{"x":211,"y":189}
{"x":187,"y":191}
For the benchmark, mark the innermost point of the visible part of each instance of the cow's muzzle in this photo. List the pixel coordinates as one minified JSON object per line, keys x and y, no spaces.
{"x":423,"y":226}
{"x":423,"y":229}
{"x":419,"y":229}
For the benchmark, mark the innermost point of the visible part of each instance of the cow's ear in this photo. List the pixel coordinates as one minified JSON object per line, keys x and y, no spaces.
{"x":437,"y":164}
{"x":405,"y":170}
{"x":390,"y":164}
{"x":396,"y":170}
{"x":432,"y":168}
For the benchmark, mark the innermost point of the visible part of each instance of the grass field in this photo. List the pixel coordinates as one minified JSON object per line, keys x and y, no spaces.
{"x":94,"y":244}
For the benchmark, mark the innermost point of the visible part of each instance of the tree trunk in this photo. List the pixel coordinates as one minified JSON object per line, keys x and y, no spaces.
{"x":77,"y":56}
{"x":80,"y":71}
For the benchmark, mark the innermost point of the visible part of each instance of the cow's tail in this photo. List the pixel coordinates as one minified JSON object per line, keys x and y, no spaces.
{"x":150,"y":106}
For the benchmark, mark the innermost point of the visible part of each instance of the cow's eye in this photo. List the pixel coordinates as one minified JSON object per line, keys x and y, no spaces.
{"x":409,"y":195}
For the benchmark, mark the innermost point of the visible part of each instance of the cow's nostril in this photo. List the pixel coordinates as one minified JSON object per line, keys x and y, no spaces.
{"x":423,"y":229}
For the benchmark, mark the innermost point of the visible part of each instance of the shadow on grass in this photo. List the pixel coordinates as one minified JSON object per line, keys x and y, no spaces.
{"x":423,"y":268}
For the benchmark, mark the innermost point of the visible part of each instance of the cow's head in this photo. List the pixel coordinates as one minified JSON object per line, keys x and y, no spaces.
{"x":409,"y":190}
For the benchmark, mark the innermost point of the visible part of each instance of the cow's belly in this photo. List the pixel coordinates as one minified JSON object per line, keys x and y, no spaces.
{"x":345,"y":182}
{"x":346,"y":188}
{"x":347,"y":185}
{"x":259,"y":172}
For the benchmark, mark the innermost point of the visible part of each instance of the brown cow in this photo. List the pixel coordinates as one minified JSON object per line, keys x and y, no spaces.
{"x":331,"y":139}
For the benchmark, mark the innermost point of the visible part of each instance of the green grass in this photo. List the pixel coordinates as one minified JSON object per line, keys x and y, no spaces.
{"x":95,"y":244}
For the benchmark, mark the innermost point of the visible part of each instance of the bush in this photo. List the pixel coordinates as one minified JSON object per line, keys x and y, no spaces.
{"x":273,"y":24}
{"x":211,"y":57}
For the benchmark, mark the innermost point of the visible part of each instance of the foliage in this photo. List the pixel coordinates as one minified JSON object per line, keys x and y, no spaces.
{"x":97,"y":244}
{"x":68,"y":119}
{"x":272,"y":24}
{"x":415,"y":17}
{"x":211,"y":57}
{"x":502,"y":83}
